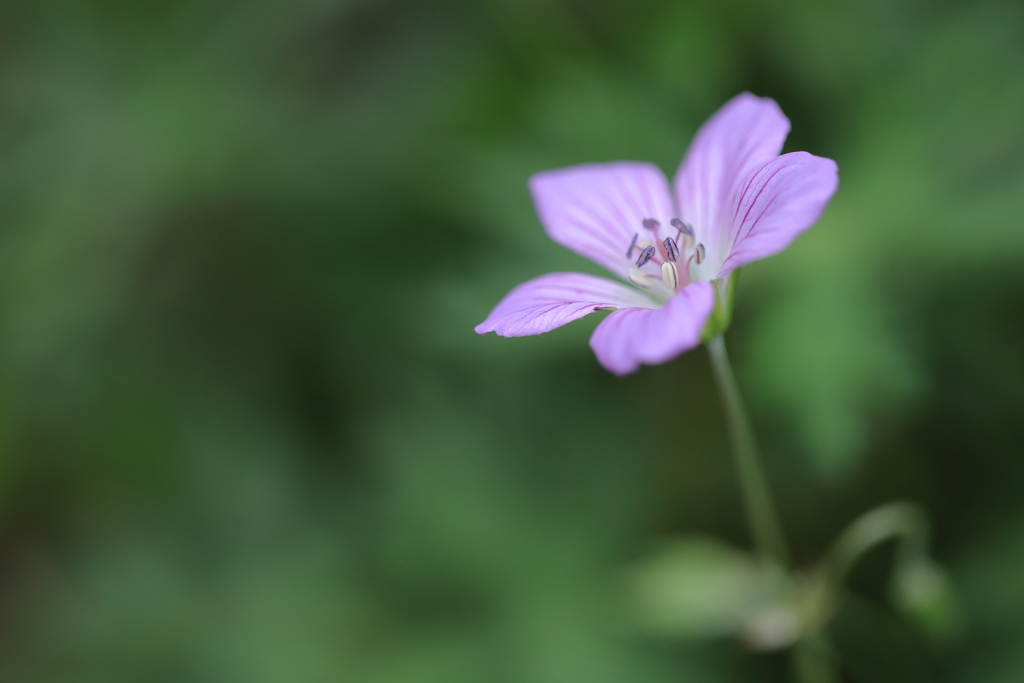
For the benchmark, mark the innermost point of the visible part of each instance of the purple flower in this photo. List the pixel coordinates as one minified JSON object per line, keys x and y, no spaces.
{"x":734,"y":200}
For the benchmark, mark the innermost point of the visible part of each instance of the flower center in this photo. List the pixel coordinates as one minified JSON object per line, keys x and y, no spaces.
{"x":664,"y":254}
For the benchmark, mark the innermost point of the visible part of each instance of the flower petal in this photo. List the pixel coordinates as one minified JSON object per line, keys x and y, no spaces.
{"x":741,"y":136}
{"x":552,"y":300}
{"x":783,"y":198}
{"x":595,"y":209}
{"x":627,"y":338}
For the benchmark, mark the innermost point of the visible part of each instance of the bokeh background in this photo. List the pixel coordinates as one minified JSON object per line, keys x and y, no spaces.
{"x":248,"y":434}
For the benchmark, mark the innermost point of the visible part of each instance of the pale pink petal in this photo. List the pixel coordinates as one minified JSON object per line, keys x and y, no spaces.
{"x":596,"y":209}
{"x":627,"y":338}
{"x":782,"y":199}
{"x":741,"y":136}
{"x":555,"y":299}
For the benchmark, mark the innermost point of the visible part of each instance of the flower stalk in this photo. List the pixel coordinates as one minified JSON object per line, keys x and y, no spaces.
{"x":810,"y":659}
{"x":761,"y":515}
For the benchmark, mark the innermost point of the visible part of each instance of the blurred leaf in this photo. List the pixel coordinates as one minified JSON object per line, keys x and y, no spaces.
{"x":695,"y":587}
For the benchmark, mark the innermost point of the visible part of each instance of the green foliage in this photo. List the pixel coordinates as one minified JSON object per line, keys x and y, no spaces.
{"x":247,"y":433}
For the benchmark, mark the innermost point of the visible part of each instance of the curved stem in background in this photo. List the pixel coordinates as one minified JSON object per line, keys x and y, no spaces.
{"x":761,"y":515}
{"x":812,"y":661}
{"x":893,"y":520}
{"x":900,"y":521}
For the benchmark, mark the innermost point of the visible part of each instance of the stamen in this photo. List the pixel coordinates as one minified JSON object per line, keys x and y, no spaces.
{"x":645,"y":256}
{"x":670,"y":275}
{"x":651,"y":224}
{"x":632,"y":245}
{"x":671,"y":249}
{"x":638,"y":278}
{"x":699,"y":254}
{"x":684,"y":229}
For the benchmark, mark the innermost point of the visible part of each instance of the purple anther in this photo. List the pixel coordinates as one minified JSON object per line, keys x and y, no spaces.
{"x":682,"y":227}
{"x":646,"y":255}
{"x":632,"y":245}
{"x":671,"y":249}
{"x":651,"y":224}
{"x":698,"y":254}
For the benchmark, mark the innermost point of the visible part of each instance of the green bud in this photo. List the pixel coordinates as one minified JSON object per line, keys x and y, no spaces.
{"x":924,"y":593}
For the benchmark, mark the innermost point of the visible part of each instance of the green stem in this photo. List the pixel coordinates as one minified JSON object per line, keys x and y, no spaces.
{"x":764,"y":523}
{"x":810,"y":658}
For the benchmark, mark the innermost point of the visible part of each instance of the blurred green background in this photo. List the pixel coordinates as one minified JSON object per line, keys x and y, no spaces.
{"x":248,"y":434}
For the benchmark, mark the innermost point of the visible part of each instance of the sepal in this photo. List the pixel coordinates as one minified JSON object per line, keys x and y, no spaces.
{"x":725,"y":295}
